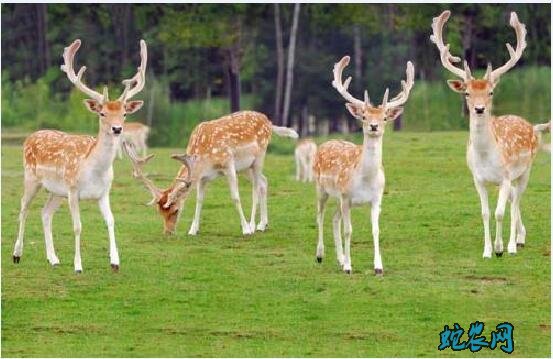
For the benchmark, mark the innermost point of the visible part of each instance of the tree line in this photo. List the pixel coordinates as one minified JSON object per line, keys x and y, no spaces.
{"x":281,"y":54}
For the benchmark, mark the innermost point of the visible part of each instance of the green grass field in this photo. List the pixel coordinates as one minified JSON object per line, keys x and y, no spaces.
{"x":220,"y":294}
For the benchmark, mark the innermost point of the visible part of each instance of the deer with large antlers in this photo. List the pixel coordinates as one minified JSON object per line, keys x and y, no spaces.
{"x":76,"y":166}
{"x":500,"y":149}
{"x":352,"y":173}
{"x":226,"y":146}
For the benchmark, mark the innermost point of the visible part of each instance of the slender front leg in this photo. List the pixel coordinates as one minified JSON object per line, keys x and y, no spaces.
{"x":30,"y":189}
{"x":105,"y":209}
{"x":346,"y":209}
{"x":264,"y":220}
{"x":375,"y":213}
{"x":51,"y":206}
{"x":504,"y":191}
{"x":337,"y":232}
{"x":322,"y":197}
{"x":73,"y":199}
{"x":481,"y":189}
{"x":235,"y":195}
{"x":200,"y":192}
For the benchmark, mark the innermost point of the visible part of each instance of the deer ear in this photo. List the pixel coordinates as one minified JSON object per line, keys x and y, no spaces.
{"x":394,"y":113}
{"x":457,"y":85}
{"x":354,"y":110}
{"x":93,"y":105}
{"x":133,"y":106}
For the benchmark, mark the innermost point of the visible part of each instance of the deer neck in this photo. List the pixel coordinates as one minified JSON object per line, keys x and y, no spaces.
{"x":103,"y":153}
{"x":481,"y":135}
{"x":371,"y":154}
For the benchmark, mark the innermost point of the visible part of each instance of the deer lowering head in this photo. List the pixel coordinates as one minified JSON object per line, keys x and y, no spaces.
{"x":167,"y":201}
{"x":478,"y":92}
{"x":111,"y":113}
{"x":372,"y":117}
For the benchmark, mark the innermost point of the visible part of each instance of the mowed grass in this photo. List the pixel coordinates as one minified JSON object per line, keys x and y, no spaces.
{"x":222,"y":294}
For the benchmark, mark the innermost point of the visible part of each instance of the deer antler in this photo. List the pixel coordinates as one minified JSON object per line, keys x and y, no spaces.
{"x":520,"y":30}
{"x":446,"y":57}
{"x":406,"y":86}
{"x":68,"y":58}
{"x":138,"y":164}
{"x":342,"y":87}
{"x":139,"y":78}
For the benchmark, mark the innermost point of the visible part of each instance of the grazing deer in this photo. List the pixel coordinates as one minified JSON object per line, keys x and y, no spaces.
{"x":137,"y":134}
{"x":500,"y":149}
{"x":352,"y":173}
{"x":304,"y":154}
{"x":76,"y":166}
{"x":233,"y":143}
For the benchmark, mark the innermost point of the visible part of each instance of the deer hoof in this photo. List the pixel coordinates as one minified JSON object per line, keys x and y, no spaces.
{"x":520,"y":245}
{"x":16,"y":259}
{"x":499,"y":254}
{"x":115,"y":267}
{"x":319,"y":259}
{"x":379,"y":272}
{"x":347,"y":271}
{"x":78,"y":271}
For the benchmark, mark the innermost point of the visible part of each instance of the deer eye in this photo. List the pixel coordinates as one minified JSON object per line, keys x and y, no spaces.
{"x":102,"y":114}
{"x":124,"y":115}
{"x":491,"y":93}
{"x":466,"y":94}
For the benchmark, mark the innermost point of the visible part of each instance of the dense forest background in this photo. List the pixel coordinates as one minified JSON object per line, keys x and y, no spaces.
{"x":206,"y":60}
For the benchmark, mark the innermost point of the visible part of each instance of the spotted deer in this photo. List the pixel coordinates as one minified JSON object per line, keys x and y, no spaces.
{"x":500,"y":149}
{"x":233,"y":143}
{"x":77,"y":166}
{"x":353,"y":173}
{"x":304,"y":155}
{"x":137,"y":134}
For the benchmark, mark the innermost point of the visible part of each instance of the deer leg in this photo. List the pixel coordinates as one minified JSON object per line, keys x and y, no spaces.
{"x":298,"y":168}
{"x":504,"y":191}
{"x":73,"y":199}
{"x":345,"y":205}
{"x":309,"y":169}
{"x":105,"y":209}
{"x":337,"y":232}
{"x":521,"y":230}
{"x":264,"y":220}
{"x":254,"y":177}
{"x":322,"y":197}
{"x":200,"y":192}
{"x":481,"y":189}
{"x":375,"y":214}
{"x":235,"y":195}
{"x":51,"y":206}
{"x":30,"y":189}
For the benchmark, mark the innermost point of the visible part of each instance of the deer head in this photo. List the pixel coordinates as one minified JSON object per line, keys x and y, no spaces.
{"x":478,"y":92}
{"x":111,"y":113}
{"x":373,"y":117}
{"x":168,"y":202}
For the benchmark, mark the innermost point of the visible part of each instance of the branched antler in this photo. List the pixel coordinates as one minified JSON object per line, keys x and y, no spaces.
{"x":139,"y":78}
{"x":406,"y":86}
{"x":342,"y":87}
{"x":515,"y":55}
{"x":138,"y":164}
{"x":68,"y":59}
{"x":446,"y":57}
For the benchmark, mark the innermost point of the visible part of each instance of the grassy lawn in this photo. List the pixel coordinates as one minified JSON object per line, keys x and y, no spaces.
{"x":220,"y":294}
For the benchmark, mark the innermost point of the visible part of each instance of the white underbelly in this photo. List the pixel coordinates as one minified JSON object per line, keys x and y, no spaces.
{"x":243,"y":162}
{"x":90,"y":188}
